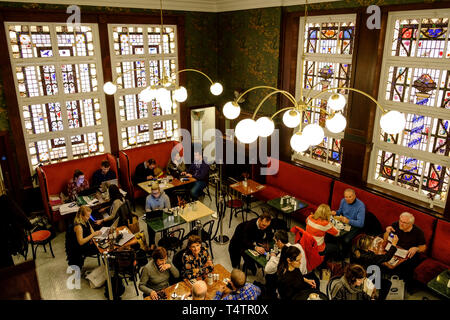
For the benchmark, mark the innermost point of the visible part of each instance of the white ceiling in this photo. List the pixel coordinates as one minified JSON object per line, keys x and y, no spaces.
{"x":185,"y":5}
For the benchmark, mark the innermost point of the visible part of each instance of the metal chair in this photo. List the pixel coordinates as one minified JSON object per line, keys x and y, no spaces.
{"x":39,"y":238}
{"x":125,"y":266}
{"x":235,"y":205}
{"x":173,"y":240}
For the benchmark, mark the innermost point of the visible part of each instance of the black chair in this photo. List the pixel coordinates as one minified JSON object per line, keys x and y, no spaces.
{"x":173,"y":240}
{"x":235,"y":205}
{"x":39,"y":238}
{"x":125,"y":266}
{"x":178,"y":259}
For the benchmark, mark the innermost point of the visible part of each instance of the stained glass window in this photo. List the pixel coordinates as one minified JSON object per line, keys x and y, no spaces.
{"x":139,"y":60}
{"x":326,"y":44}
{"x":58,"y":90}
{"x":415,"y":81}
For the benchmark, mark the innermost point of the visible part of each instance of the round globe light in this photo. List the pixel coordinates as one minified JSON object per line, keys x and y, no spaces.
{"x":147,"y":94}
{"x":180,"y":94}
{"x":336,"y":102}
{"x":246,"y":131}
{"x":337,"y":123}
{"x":393,"y":122}
{"x":314,"y":133}
{"x":291,"y":118}
{"x":216,"y":89}
{"x":299,"y":142}
{"x":164,"y":99}
{"x":265,"y":127}
{"x":109,"y":88}
{"x":231,"y":110}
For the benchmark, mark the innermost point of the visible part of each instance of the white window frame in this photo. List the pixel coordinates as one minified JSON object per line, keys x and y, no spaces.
{"x":434,"y":112}
{"x":115,"y":59}
{"x":61,"y":97}
{"x":319,"y":57}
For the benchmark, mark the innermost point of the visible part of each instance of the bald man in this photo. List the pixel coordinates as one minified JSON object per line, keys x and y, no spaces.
{"x":199,"y":290}
{"x":238,"y":288}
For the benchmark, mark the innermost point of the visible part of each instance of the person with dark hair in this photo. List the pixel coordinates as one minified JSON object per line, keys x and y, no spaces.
{"x":155,"y":275}
{"x":196,"y":260}
{"x":364,"y":256}
{"x":200,"y":171}
{"x":103,"y":174}
{"x":146,"y":170}
{"x":77,"y":184}
{"x":117,"y":200}
{"x":254,"y":234}
{"x":291,"y":282}
{"x":79,"y":238}
{"x":176,"y":165}
{"x":240,"y":289}
{"x":351,"y":285}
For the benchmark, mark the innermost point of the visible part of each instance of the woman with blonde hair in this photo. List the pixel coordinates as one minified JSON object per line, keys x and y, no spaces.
{"x":79,"y":243}
{"x":318,"y":224}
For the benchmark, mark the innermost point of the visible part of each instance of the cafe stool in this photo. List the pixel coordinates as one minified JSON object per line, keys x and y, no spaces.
{"x":39,"y":238}
{"x":236,"y":206}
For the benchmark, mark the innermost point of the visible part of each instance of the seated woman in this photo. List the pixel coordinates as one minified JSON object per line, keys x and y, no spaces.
{"x":290,"y":279}
{"x":351,"y":285}
{"x":76,"y":185}
{"x":318,"y":225}
{"x":79,"y":243}
{"x":175,"y":166}
{"x":116,"y":199}
{"x":196,"y":260}
{"x":364,"y":256}
{"x":156,"y":200}
{"x":155,"y":275}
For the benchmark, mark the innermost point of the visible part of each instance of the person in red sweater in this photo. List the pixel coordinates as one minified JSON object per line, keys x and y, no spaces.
{"x":318,"y":224}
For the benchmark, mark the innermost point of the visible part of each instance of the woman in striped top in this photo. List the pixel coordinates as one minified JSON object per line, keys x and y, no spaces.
{"x":318,"y":224}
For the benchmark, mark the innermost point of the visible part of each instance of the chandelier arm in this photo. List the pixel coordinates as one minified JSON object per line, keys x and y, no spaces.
{"x":351,"y":89}
{"x":285,"y":93}
{"x":280,"y":111}
{"x":308,"y":99}
{"x":195,"y":70}
{"x":254,"y":88}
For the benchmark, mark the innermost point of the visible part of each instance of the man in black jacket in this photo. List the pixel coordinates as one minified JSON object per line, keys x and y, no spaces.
{"x":253,"y":235}
{"x":145,"y":171}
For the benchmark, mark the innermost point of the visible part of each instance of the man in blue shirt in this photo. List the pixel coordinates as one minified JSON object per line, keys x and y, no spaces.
{"x":351,"y":211}
{"x":238,"y":289}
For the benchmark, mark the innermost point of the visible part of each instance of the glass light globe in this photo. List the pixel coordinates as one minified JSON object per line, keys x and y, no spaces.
{"x":291,"y":118}
{"x":180,"y":94}
{"x":216,"y":89}
{"x":314,"y":133}
{"x":299,"y":142}
{"x":393,"y":122}
{"x":109,"y":88}
{"x":265,"y":126}
{"x":147,"y":94}
{"x":337,"y":123}
{"x":231,"y":110}
{"x":164,"y":99}
{"x":246,"y":131}
{"x":336,"y":102}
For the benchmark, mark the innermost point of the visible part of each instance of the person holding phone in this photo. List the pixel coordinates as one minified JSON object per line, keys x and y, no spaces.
{"x":238,"y":289}
{"x":155,"y":275}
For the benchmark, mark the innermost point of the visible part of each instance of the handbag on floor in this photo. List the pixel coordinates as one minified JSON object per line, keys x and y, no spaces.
{"x":397,"y":291}
{"x":97,"y":277}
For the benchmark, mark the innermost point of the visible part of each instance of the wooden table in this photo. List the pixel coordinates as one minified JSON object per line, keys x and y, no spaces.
{"x":116,"y":247}
{"x":147,"y":185}
{"x":247,"y":191}
{"x":379,"y":246}
{"x":201,"y":211}
{"x":184,"y":287}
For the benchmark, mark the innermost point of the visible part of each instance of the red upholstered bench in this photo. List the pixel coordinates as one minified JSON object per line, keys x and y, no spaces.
{"x":439,"y":259}
{"x":129,"y":159}
{"x":305,"y":185}
{"x":53,"y":178}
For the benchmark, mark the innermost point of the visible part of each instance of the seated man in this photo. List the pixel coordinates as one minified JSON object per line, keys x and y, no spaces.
{"x":199,"y":290}
{"x":200,"y":171}
{"x":411,"y":238}
{"x":155,"y":275}
{"x":252,"y":234}
{"x":238,"y":288}
{"x":145,"y":171}
{"x":351,"y":211}
{"x":176,"y":165}
{"x":76,"y":185}
{"x":157,"y":200}
{"x":103,"y":174}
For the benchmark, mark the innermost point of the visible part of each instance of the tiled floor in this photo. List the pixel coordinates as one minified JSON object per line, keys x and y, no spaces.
{"x":53,"y":277}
